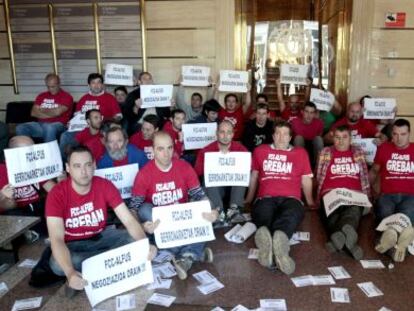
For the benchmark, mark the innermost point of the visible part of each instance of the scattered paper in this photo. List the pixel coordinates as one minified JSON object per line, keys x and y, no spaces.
{"x":28,"y":263}
{"x":339,"y":272}
{"x":211,"y":287}
{"x":217,"y":309}
{"x":372,"y":264}
{"x":370,"y":289}
{"x":340,"y":295}
{"x":239,"y":234}
{"x":240,"y":308}
{"x":247,"y":216}
{"x":161,"y":300}
{"x":29,"y":303}
{"x":165,"y":270}
{"x":323,"y":280}
{"x":293,"y":242}
{"x":273,"y":304}
{"x":253,"y":253}
{"x":302,"y":281}
{"x":163,"y":256}
{"x":125,"y":302}
{"x":3,"y":288}
{"x":160,"y":283}
{"x":204,"y":277}
{"x":301,"y":236}
{"x":384,"y":309}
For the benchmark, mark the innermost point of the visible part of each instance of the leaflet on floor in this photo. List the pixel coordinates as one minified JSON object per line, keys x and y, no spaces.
{"x":238,"y":234}
{"x":33,"y":164}
{"x":273,"y":304}
{"x":372,"y":264}
{"x":125,"y":302}
{"x":339,"y":272}
{"x":161,"y":300}
{"x":342,"y":196}
{"x":121,"y":176}
{"x":117,"y":271}
{"x":29,"y":303}
{"x":227,"y":169}
{"x":182,"y":224}
{"x":340,"y":295}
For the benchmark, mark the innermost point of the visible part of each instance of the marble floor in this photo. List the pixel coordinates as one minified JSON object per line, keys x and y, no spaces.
{"x":246,"y":282}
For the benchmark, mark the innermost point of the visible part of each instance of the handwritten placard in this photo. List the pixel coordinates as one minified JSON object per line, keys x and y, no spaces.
{"x":195,"y":75}
{"x":116,"y":74}
{"x":156,"y":95}
{"x":199,"y":135}
{"x":233,"y":81}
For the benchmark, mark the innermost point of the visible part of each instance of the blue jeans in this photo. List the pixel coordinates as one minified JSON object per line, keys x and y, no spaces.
{"x":389,"y":204}
{"x":47,"y":131}
{"x":83,"y":249}
{"x":194,"y":250}
{"x":67,"y":140}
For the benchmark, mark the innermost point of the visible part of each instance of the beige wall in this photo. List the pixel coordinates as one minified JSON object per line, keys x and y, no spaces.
{"x":373,"y":70}
{"x":193,"y":32}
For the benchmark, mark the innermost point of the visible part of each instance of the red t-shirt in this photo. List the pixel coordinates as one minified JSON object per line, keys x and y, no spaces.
{"x":83,"y":215}
{"x":24,"y":195}
{"x":280,"y":171}
{"x":362,"y":129}
{"x":83,"y":136}
{"x":289,"y":115}
{"x":236,"y":117}
{"x":144,"y":144}
{"x":47,"y":100}
{"x":251,"y":114}
{"x":165,"y":188}
{"x":96,"y":146}
{"x":343,"y":172}
{"x":307,"y":131}
{"x":178,"y":145}
{"x":214,"y":147}
{"x":396,"y":168}
{"x":105,"y":103}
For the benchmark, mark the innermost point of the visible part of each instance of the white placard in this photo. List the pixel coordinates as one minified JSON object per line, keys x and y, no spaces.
{"x":204,"y":277}
{"x":323,"y":100}
{"x":368,"y":147}
{"x":294,"y":74}
{"x":198,"y":135}
{"x":195,"y":75}
{"x":342,"y":196}
{"x":302,"y":281}
{"x":227,"y":169}
{"x":77,"y":123}
{"x":156,"y":95}
{"x":398,"y":222}
{"x":211,"y":287}
{"x":301,"y":236}
{"x":182,"y":224}
{"x":117,"y":271}
{"x":121,"y":176}
{"x":116,"y":74}
{"x":33,"y":164}
{"x":379,"y":108}
{"x":233,"y":81}
{"x":164,"y":270}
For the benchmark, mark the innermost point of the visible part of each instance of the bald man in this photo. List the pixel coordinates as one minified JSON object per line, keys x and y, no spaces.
{"x":25,"y":200}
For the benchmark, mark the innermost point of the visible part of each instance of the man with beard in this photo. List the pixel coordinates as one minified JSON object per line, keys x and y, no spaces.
{"x":94,"y":119}
{"x":174,"y":128}
{"x":119,"y":152}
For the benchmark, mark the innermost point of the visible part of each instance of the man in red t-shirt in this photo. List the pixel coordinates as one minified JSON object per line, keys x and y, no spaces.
{"x":307,"y":131}
{"x":174,"y":128}
{"x":234,"y":112}
{"x":167,"y":181}
{"x":343,"y":166}
{"x":360,"y":127}
{"x":76,"y":212}
{"x":280,"y":171}
{"x":224,"y":144}
{"x":292,"y":109}
{"x":52,"y":110}
{"x":143,"y":139}
{"x":394,"y":168}
{"x":94,"y":119}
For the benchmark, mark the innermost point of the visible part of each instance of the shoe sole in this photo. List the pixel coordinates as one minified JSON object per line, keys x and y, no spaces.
{"x":351,"y":236}
{"x":338,"y":240}
{"x":357,"y":252}
{"x":405,"y":238}
{"x":263,"y":241}
{"x":181,"y":273}
{"x":387,"y":241}
{"x":281,"y":249}
{"x":208,"y":255}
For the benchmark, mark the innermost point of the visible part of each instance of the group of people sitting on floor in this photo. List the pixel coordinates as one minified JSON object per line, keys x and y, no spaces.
{"x":298,"y":156}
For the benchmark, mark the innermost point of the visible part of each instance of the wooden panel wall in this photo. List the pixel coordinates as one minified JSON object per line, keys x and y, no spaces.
{"x":192,"y":32}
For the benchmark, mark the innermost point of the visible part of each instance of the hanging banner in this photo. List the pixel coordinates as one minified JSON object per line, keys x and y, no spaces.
{"x":33,"y":164}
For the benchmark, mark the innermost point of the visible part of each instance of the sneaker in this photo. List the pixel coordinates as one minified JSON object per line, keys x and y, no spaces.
{"x":234,"y":215}
{"x":405,"y":239}
{"x":208,"y":255}
{"x":338,"y":240}
{"x":263,"y":241}
{"x":31,"y":236}
{"x":182,"y":265}
{"x":357,"y":252}
{"x":351,"y":236}
{"x":387,"y":241}
{"x":70,"y":292}
{"x":330,"y":247}
{"x":281,"y":250}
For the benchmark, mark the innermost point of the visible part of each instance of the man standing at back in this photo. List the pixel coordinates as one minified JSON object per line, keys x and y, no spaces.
{"x":52,"y":110}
